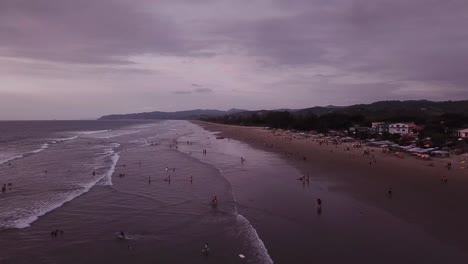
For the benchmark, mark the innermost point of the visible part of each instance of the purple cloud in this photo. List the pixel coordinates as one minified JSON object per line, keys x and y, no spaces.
{"x":284,"y":53}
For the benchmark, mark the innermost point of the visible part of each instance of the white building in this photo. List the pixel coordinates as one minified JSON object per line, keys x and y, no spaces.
{"x":462,"y":133}
{"x":401,"y":128}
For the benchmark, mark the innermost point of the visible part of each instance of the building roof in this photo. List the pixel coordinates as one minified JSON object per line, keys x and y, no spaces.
{"x":463,"y":130}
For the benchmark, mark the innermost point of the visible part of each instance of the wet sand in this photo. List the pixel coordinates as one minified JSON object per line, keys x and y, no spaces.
{"x":419,"y":198}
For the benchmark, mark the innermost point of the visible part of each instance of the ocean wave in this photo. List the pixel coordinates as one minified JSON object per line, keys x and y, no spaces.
{"x":42,"y":148}
{"x":255,"y":243}
{"x":64,"y":139}
{"x":91,"y":132}
{"x":11,"y":158}
{"x":107,"y":177}
{"x":42,"y":208}
{"x":47,"y":207}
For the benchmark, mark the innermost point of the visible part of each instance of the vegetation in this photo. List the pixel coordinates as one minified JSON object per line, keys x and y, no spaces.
{"x":439,"y":121}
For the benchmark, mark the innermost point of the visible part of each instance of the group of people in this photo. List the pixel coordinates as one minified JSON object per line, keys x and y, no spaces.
{"x":6,"y":187}
{"x":56,"y":233}
{"x":304,"y":178}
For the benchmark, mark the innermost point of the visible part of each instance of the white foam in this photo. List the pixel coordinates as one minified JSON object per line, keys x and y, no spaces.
{"x":42,"y":148}
{"x":107,"y":178}
{"x":64,"y":139}
{"x":7,"y":159}
{"x":39,"y":211}
{"x":256,"y":243}
{"x":92,"y":132}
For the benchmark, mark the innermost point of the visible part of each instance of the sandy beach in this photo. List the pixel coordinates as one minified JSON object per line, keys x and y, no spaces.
{"x":418,"y":195}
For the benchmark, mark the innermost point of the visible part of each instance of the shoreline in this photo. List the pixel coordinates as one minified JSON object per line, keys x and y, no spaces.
{"x":418,"y":195}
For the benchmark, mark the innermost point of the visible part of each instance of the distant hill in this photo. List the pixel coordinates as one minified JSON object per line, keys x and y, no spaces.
{"x":190,"y":114}
{"x":419,"y":109}
{"x":383,"y":110}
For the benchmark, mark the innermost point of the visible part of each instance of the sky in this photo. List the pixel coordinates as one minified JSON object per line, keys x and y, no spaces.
{"x":68,"y":59}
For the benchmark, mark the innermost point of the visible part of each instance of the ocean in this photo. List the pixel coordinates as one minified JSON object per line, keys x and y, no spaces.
{"x":153,"y":181}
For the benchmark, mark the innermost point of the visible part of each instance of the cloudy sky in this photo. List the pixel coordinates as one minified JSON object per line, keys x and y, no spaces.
{"x":69,"y":59}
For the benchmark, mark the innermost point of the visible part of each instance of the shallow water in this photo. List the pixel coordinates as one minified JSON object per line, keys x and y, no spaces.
{"x":264,"y":213}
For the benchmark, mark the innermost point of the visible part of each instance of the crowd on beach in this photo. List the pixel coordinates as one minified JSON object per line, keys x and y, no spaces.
{"x":367,"y":148}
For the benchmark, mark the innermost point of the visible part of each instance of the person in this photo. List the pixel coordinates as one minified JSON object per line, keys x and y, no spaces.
{"x":94,"y":173}
{"x":4,"y":188}
{"x":206,"y":250}
{"x":191,"y":179}
{"x":319,"y":203}
{"x":390,"y":192}
{"x":214,"y":201}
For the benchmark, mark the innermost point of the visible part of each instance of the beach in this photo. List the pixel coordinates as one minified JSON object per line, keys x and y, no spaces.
{"x":155,"y":181}
{"x":418,"y":195}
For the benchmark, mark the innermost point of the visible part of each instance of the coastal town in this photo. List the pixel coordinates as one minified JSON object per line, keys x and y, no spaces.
{"x":400,"y":140}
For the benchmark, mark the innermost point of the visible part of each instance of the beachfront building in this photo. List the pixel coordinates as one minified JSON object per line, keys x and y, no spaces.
{"x":462,"y":133}
{"x":379,"y":127}
{"x":358,"y":129}
{"x":401,"y":128}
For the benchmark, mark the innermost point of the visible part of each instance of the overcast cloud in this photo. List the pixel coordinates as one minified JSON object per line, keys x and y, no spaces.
{"x":68,"y":59}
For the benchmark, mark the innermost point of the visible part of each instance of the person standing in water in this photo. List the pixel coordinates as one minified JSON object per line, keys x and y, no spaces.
{"x":319,"y":206}
{"x":206,"y":250}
